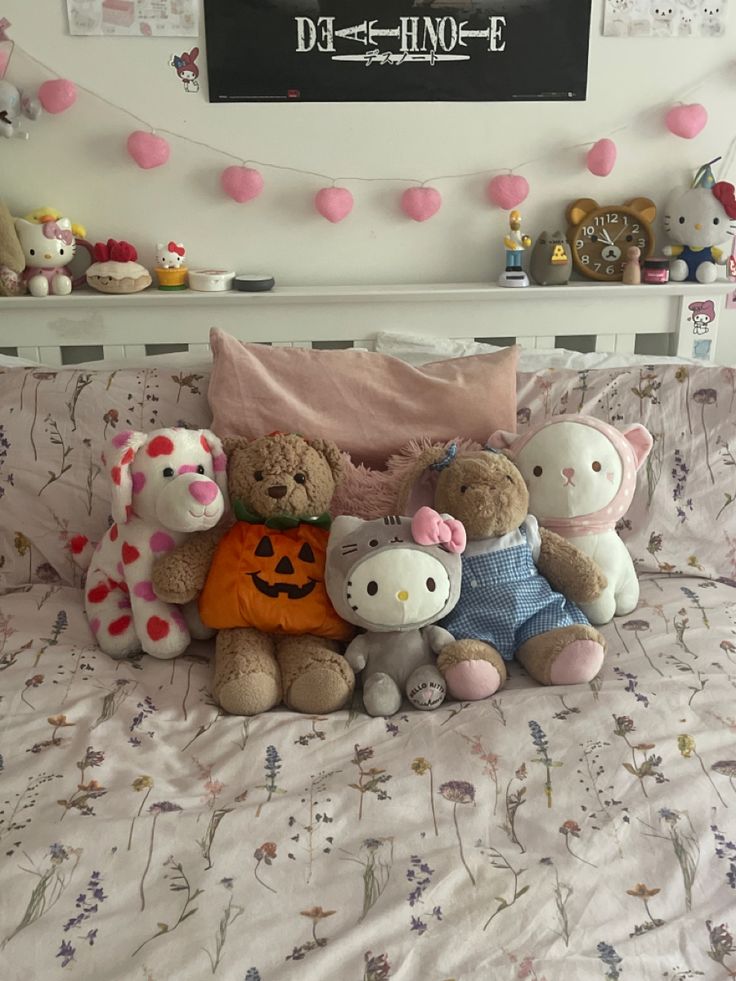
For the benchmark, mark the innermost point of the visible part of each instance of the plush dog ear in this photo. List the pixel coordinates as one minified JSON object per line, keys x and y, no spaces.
{"x":118,"y":461}
{"x":215,"y":447}
{"x":331,"y":453}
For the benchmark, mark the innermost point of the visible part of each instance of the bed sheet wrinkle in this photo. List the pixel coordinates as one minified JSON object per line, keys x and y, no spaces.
{"x":565,"y":834}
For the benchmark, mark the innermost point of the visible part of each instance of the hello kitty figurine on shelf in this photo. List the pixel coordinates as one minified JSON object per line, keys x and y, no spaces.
{"x":49,"y":245}
{"x":699,"y":218}
{"x":171,"y":266}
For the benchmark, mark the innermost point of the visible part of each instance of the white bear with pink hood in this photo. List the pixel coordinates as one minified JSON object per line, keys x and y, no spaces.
{"x":581,"y":475}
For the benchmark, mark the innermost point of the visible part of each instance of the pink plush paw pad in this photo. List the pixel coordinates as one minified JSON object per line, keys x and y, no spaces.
{"x":471,"y":680}
{"x":577,"y":663}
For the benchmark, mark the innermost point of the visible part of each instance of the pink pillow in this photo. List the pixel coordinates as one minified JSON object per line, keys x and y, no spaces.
{"x":369,"y":404}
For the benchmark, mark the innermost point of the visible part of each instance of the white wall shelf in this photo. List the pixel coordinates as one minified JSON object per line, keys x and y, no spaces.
{"x":613,"y":313}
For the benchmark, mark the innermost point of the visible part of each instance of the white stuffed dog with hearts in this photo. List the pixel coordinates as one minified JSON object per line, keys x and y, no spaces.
{"x":581,"y":475}
{"x":165,"y":485}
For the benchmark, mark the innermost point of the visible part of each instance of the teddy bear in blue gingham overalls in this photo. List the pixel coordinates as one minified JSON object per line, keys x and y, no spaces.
{"x":504,"y":600}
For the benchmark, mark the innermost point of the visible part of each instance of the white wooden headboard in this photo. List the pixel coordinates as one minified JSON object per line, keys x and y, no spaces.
{"x":603,"y":317}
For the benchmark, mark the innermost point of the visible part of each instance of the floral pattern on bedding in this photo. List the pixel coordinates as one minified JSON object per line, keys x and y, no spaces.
{"x":556,"y":834}
{"x":54,"y":425}
{"x":683,"y":517}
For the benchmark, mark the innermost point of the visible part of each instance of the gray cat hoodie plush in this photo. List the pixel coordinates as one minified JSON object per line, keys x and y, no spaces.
{"x":395,"y":577}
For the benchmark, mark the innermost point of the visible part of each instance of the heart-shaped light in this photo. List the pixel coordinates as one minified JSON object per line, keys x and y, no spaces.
{"x":334,"y":203}
{"x":421,"y":203}
{"x":508,"y":191}
{"x":57,"y":95}
{"x":686,"y":121}
{"x":148,"y":150}
{"x":601,"y":158}
{"x":241,"y":183}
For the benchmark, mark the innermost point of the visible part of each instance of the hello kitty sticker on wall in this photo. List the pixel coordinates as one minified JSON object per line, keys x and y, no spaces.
{"x":187,"y":69}
{"x":665,"y":18}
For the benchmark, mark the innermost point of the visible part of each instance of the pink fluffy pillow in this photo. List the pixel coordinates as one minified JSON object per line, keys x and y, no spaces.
{"x":370,"y":404}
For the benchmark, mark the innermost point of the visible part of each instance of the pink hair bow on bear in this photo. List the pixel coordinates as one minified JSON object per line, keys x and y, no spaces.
{"x":430,"y":528}
{"x":52,"y":230}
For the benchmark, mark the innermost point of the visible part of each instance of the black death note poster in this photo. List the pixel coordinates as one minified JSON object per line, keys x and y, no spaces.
{"x":397,"y":50}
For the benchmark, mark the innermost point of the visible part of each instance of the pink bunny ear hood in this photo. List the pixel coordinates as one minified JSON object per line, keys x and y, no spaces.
{"x":633,"y":445}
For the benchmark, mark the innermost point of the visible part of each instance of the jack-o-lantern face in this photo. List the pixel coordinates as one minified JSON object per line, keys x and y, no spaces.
{"x":272,"y":580}
{"x":292,"y":574}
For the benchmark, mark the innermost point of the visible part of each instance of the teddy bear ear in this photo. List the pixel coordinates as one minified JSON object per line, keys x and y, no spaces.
{"x":331,"y":453}
{"x":232,"y":443}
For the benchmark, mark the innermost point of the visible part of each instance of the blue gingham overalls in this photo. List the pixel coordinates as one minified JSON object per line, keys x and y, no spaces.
{"x":504,"y":601}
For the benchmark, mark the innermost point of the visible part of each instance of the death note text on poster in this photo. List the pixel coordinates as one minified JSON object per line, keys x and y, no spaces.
{"x":409,"y":40}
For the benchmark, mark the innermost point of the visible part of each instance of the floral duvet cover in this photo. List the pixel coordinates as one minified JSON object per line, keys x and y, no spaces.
{"x":558,"y":834}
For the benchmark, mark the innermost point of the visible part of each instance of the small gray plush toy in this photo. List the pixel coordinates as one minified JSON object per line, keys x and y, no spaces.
{"x":551,"y":260}
{"x":395,"y":577}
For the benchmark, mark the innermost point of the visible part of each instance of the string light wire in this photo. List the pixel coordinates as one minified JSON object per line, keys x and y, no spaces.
{"x":728,"y":158}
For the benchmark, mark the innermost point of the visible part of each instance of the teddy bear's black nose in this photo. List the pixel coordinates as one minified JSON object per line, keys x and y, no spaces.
{"x":277,"y":491}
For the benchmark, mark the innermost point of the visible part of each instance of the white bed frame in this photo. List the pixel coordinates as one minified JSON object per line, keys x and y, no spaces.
{"x":601,"y":317}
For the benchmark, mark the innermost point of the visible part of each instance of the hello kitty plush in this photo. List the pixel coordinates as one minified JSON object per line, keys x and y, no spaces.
{"x":581,"y":475}
{"x":395,"y":577}
{"x":699,"y":218}
{"x":49,"y":245}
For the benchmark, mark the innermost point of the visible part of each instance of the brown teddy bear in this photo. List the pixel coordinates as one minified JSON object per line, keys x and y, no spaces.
{"x":261,"y":582}
{"x":520,"y":583}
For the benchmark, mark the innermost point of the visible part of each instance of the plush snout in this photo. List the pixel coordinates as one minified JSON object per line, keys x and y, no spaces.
{"x":190,"y":502}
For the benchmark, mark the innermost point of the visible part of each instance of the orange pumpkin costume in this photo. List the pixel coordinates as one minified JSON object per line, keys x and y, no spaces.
{"x":273,"y":580}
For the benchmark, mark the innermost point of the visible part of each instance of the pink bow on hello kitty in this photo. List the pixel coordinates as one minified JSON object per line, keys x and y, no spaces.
{"x":52,"y":230}
{"x":430,"y":528}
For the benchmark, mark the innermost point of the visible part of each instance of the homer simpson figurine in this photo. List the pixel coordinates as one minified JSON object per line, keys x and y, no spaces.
{"x":515,"y":243}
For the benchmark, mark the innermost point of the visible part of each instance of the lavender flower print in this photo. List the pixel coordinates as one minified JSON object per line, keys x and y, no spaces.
{"x":271,"y":767}
{"x":725,"y":850}
{"x":419,"y":875}
{"x":611,"y":961}
{"x":542,"y":746}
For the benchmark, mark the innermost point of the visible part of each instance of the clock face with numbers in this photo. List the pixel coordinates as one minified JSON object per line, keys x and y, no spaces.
{"x":600,"y":237}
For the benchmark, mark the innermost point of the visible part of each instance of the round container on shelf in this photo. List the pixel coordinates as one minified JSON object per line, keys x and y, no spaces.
{"x":211,"y":280}
{"x":172,"y":279}
{"x":254,"y":282}
{"x":656,"y":270}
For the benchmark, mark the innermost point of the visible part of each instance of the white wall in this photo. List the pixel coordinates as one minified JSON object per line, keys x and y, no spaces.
{"x":77,"y":161}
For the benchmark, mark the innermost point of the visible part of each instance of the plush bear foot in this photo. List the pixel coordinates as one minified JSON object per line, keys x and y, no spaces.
{"x":567,"y":656}
{"x":316,"y":679}
{"x":471,"y":669}
{"x":247,"y":676}
{"x":381,"y":695}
